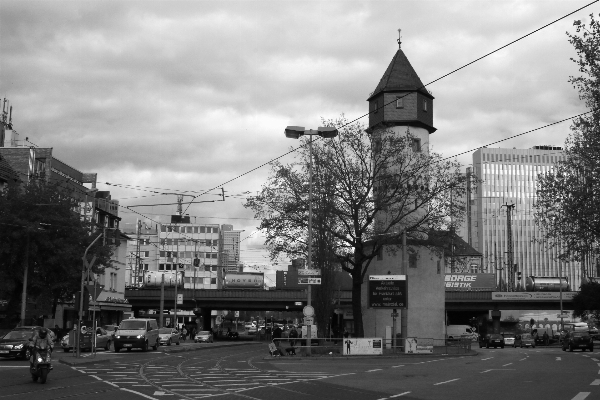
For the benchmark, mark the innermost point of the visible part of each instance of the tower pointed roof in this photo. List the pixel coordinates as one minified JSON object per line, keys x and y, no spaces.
{"x":400,"y":76}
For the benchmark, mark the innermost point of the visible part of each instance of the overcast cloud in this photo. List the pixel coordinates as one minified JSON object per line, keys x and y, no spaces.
{"x":186,"y":95}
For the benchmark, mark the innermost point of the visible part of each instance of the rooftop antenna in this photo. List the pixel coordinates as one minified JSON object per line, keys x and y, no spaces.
{"x":399,"y":38}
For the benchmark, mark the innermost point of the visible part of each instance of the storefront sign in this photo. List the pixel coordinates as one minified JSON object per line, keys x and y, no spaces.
{"x":532,"y":296}
{"x":244,"y":280}
{"x":457,"y":282}
{"x":358,"y":347}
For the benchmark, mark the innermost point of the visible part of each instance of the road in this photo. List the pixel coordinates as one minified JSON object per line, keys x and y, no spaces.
{"x":244,"y":372}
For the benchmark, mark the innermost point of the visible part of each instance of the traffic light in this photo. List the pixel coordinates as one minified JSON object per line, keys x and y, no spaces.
{"x":86,"y":300}
{"x":196,"y":262}
{"x":519,"y":275}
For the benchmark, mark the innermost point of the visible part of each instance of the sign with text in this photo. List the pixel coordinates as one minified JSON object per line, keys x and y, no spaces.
{"x":418,"y":346}
{"x":179,"y":299}
{"x":359,"y":347}
{"x":309,"y":272}
{"x":458,"y":282}
{"x":309,"y":281}
{"x":532,"y":296}
{"x":387,"y":291}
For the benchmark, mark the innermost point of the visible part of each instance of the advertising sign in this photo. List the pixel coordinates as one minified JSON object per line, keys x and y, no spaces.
{"x":532,"y":296}
{"x":245,"y":280}
{"x":418,"y":346}
{"x":313,"y":331}
{"x":458,"y":282}
{"x":360,"y":346}
{"x":387,"y":291}
{"x":179,"y":299}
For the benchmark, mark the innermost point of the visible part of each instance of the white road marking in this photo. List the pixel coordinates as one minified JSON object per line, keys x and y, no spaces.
{"x":596,"y":382}
{"x":489,"y":358}
{"x":373,"y":370}
{"x":398,"y":395}
{"x":594,"y":359}
{"x":15,"y":366}
{"x":506,"y":364}
{"x":94,"y":376}
{"x":441,"y":383}
{"x":558,"y":359}
{"x":522,"y":359}
{"x":397,"y":366}
{"x":111,"y":384}
{"x":581,"y":396}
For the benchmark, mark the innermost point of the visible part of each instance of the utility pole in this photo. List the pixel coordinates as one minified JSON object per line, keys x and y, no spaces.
{"x":162,"y":301}
{"x":138,"y":259}
{"x":510,"y":269}
{"x":26,"y":268}
{"x":176,"y":279}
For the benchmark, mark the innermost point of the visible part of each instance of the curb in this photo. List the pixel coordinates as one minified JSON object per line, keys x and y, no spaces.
{"x":187,"y":349}
{"x":82,"y":362}
{"x":473,"y":353}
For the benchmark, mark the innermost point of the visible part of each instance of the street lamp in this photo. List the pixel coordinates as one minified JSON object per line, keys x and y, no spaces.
{"x":294,"y":132}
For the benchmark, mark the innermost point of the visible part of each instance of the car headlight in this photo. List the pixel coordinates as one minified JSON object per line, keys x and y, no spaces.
{"x":118,"y":336}
{"x":140,"y":336}
{"x":18,"y":347}
{"x":40,"y":359}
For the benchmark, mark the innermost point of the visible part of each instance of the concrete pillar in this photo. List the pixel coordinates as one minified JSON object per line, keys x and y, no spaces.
{"x":496,"y":314}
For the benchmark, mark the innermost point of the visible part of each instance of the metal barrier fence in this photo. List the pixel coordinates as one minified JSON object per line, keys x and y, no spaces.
{"x":335,"y":346}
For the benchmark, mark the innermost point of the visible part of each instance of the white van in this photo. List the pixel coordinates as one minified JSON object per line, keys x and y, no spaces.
{"x":136,"y":333}
{"x":461,"y":332}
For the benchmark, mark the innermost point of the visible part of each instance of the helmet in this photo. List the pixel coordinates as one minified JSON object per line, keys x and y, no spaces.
{"x":43,"y":333}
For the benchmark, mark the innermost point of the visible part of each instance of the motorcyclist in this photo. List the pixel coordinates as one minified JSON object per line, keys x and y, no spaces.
{"x":41,"y":337}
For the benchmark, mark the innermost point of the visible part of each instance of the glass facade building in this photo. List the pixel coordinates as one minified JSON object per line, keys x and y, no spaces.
{"x":510,"y":177}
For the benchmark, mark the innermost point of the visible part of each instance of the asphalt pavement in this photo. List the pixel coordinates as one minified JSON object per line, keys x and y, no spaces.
{"x":230,"y":370}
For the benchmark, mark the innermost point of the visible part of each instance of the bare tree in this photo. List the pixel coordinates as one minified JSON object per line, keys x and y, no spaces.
{"x":376,"y":185}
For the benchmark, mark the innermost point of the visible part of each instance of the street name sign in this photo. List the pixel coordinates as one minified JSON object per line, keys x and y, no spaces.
{"x":309,"y":272}
{"x":309,"y":281}
{"x":387,"y":291}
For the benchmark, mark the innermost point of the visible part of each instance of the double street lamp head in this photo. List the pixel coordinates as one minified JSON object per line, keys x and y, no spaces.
{"x":294,"y":132}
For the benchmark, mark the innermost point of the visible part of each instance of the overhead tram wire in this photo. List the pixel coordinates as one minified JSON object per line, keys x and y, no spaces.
{"x":356,"y":119}
{"x":435,"y":80}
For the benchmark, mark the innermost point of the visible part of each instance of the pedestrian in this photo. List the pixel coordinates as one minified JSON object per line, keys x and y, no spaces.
{"x":346,"y":333}
{"x":293,"y":336}
{"x":184,"y":333}
{"x":277,"y":332}
{"x":192,"y":333}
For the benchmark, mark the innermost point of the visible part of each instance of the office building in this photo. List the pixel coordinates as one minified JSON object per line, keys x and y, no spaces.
{"x":510,"y":177}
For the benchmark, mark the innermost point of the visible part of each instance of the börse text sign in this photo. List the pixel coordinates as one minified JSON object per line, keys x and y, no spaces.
{"x":458,"y":282}
{"x":387,"y":291}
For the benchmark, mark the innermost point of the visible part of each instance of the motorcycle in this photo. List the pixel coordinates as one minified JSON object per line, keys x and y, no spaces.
{"x":41,"y":366}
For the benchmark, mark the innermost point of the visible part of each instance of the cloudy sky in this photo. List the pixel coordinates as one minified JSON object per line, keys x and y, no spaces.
{"x":187,"y":95}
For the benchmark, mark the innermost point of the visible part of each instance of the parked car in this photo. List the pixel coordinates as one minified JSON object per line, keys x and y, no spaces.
{"x":167,"y":336}
{"x":111,"y":329}
{"x":103,"y":341}
{"x":525,"y":340}
{"x":594,"y":333}
{"x":16,"y":342}
{"x":578,"y":340}
{"x":509,"y":339}
{"x":204,"y":336}
{"x":492,"y":340}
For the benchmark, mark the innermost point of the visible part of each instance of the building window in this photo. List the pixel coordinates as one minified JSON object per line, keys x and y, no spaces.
{"x":213,"y":281}
{"x":416,"y":145}
{"x":399,"y":101}
{"x":424,"y":105}
{"x":161,"y":267}
{"x":202,"y":229}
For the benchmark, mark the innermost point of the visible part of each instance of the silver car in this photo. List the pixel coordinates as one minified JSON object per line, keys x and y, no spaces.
{"x":166,"y":336}
{"x":204,"y":336}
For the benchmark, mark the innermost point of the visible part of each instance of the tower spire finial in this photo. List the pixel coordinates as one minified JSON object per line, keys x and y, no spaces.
{"x":399,"y":38}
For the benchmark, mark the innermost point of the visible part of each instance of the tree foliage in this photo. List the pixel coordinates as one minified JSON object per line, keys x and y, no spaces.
{"x":40,"y":227}
{"x":568,"y":195}
{"x":586,"y":303}
{"x":367,"y":188}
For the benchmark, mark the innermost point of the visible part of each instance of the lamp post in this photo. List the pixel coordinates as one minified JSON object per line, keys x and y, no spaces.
{"x":294,"y":132}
